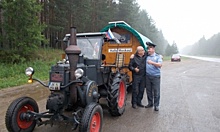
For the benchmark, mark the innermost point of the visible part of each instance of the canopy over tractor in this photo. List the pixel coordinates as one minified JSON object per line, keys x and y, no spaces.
{"x":129,"y":39}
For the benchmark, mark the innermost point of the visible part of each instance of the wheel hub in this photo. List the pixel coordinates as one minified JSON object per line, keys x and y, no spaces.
{"x":95,"y":123}
{"x":24,"y":119}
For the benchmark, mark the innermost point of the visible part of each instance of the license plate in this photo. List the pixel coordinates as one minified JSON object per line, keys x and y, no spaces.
{"x":54,"y":86}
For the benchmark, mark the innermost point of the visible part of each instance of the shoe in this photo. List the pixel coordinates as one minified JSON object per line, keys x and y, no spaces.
{"x":140,"y":105}
{"x":148,"y":106}
{"x":134,"y":106}
{"x":156,"y":108}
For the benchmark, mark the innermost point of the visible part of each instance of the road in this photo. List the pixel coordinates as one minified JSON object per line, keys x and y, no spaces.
{"x":190,"y":102}
{"x":203,"y":58}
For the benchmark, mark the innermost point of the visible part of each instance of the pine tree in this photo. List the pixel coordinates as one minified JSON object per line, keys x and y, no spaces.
{"x":21,"y":28}
{"x":171,"y":49}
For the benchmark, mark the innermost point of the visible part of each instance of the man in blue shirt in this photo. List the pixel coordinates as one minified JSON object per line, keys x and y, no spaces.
{"x":153,"y":65}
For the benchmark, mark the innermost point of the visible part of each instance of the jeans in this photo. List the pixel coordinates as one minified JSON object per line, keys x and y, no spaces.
{"x":153,"y":90}
{"x":138,"y":86}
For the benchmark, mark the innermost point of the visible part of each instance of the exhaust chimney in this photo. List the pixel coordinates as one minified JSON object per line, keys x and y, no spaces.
{"x":73,"y":52}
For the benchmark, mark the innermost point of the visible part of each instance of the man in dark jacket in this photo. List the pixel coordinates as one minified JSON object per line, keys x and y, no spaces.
{"x":137,"y":65}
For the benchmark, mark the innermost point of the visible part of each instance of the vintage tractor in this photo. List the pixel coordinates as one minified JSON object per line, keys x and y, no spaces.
{"x":76,"y":84}
{"x":95,"y":66}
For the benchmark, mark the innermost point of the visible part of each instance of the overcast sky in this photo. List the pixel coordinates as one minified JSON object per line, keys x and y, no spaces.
{"x":184,"y":21}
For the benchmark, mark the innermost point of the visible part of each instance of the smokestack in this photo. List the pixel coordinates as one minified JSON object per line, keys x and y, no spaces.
{"x":73,"y":52}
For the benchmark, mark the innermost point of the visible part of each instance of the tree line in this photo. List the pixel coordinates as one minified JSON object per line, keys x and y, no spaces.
{"x":171,"y":49}
{"x":204,"y":47}
{"x":26,"y":25}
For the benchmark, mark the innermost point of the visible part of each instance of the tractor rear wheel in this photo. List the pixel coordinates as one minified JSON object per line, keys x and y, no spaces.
{"x":13,"y":119}
{"x":117,"y":97}
{"x":92,"y":118}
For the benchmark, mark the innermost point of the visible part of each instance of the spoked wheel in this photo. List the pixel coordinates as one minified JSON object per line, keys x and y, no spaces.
{"x":16,"y":118}
{"x":117,"y":97}
{"x":92,"y":118}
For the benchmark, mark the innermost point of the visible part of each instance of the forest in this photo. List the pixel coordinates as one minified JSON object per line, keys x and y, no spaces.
{"x":204,"y":47}
{"x":27,"y":25}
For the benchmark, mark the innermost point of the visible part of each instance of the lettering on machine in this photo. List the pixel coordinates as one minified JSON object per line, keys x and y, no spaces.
{"x":120,"y":50}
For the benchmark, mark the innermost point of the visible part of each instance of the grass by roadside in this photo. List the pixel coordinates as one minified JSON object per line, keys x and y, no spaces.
{"x":14,"y":74}
{"x":166,"y":58}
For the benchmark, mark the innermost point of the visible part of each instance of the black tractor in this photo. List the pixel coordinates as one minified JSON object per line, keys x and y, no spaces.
{"x":77,"y":83}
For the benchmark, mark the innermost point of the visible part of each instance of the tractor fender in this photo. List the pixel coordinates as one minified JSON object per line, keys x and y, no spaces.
{"x":91,"y":92}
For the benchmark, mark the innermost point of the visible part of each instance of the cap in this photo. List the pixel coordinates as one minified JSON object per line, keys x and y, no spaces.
{"x":150,"y":44}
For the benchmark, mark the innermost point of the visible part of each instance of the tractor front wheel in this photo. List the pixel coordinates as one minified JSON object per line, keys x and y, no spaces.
{"x":92,"y":118}
{"x":14,"y":118}
{"x":117,"y":97}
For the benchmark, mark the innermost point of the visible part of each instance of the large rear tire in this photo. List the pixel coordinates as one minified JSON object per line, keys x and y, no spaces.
{"x":92,"y":118}
{"x":13,"y":119}
{"x":117,"y":96}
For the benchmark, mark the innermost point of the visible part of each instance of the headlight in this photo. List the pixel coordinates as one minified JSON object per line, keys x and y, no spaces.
{"x":29,"y":71}
{"x":79,"y":73}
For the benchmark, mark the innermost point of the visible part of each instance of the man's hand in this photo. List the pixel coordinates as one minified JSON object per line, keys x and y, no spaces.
{"x":132,"y":56}
{"x":136,"y":69}
{"x":150,"y":62}
{"x":154,"y":63}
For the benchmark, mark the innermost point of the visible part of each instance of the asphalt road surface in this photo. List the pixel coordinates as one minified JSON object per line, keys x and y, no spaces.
{"x":190,"y":102}
{"x":203,"y":58}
